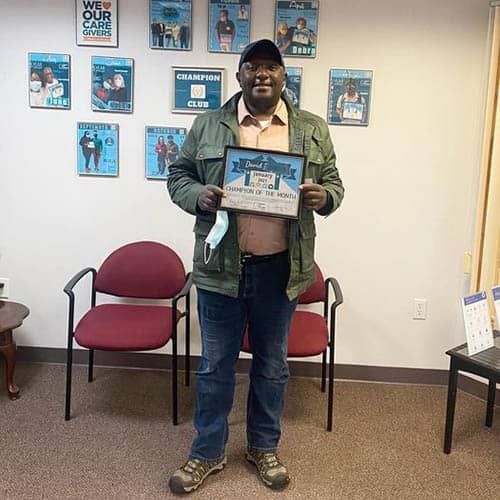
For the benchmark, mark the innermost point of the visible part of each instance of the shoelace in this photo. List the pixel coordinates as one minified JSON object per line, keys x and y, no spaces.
{"x":196,"y":468}
{"x":269,"y":460}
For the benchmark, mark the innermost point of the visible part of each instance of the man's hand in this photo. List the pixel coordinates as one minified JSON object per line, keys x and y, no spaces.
{"x":208,"y":199}
{"x":314,"y":196}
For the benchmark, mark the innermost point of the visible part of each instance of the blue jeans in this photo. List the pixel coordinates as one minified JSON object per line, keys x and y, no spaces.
{"x":263,"y":305}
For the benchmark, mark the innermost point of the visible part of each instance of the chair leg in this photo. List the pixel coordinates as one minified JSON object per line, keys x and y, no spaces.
{"x":450,"y":407}
{"x":492,"y":387}
{"x":329,"y":425}
{"x":69,"y":366}
{"x":174,"y":381}
{"x":91,"y":365}
{"x":323,"y":371}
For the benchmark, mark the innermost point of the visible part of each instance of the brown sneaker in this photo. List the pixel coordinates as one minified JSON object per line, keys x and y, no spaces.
{"x":193,"y":473}
{"x":272,"y":472}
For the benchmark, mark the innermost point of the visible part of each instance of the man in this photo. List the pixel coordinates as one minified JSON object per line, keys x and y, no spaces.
{"x":172,"y":150}
{"x":155,"y":32}
{"x":87,"y":145}
{"x":358,"y":104}
{"x":185,"y":35}
{"x":97,"y":150}
{"x":261,"y":265}
{"x":300,"y":40}
{"x":225,"y":31}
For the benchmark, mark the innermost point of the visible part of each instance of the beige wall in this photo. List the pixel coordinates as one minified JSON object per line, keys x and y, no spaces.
{"x":410,"y":176}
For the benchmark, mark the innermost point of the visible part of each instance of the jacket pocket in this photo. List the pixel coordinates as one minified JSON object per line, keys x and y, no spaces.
{"x":210,"y":161}
{"x":216,"y":263}
{"x":307,"y":234}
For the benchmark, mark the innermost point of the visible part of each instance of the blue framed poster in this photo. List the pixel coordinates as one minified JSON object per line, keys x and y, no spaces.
{"x":112,"y":84}
{"x":263,"y":182}
{"x":49,"y":80}
{"x":228,"y":25}
{"x":293,"y":85}
{"x":97,"y":145}
{"x":162,"y":145}
{"x":170,"y":25}
{"x":349,"y":95}
{"x":197,"y":89}
{"x":296,"y":28}
{"x":96,"y":23}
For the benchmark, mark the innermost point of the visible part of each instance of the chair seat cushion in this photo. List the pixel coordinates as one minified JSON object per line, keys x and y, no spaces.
{"x":125,"y":327}
{"x":308,"y":335}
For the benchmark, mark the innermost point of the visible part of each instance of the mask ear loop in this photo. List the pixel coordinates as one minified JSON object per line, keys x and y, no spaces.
{"x":205,"y":258}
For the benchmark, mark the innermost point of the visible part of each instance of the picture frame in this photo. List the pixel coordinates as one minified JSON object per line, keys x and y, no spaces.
{"x":196,"y":89}
{"x":296,"y":28}
{"x":96,"y":23}
{"x":170,"y":25}
{"x":98,"y":159}
{"x":112,"y":84}
{"x":229,"y":25}
{"x":49,"y":80}
{"x":293,"y":85}
{"x":262,"y":182}
{"x":159,"y":154}
{"x":349,"y":97}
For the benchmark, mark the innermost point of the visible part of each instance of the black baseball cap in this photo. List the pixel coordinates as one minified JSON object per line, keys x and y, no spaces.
{"x":263,"y":46}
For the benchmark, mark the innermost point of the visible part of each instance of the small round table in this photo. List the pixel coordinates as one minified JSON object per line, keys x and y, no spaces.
{"x":12,"y":315}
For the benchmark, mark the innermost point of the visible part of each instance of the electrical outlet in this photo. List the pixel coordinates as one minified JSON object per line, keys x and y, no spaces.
{"x":420,"y":309}
{"x":4,"y":288}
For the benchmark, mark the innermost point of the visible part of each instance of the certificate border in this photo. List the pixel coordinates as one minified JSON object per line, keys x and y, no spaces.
{"x":297,"y":56}
{"x":149,"y":178}
{"x":93,"y":45}
{"x":108,"y":176}
{"x":330,"y":94}
{"x":59,"y":108}
{"x":184,"y":111}
{"x":132,"y":65}
{"x":212,"y":51}
{"x":168,"y":48}
{"x":272,"y":152}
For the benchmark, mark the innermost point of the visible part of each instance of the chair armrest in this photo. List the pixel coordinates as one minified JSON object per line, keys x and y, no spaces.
{"x":339,"y":298}
{"x":185,"y":289}
{"x":68,"y":289}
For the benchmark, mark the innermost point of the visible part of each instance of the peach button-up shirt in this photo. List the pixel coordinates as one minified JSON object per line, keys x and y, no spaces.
{"x":256,"y":234}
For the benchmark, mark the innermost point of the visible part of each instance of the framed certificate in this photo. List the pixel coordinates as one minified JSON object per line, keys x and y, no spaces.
{"x":262,"y":182}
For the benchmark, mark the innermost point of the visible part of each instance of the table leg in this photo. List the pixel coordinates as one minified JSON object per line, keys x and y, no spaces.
{"x":492,"y":387}
{"x":9,"y":352}
{"x":450,"y":409}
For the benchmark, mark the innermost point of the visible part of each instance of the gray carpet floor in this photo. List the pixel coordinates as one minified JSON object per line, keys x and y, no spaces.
{"x":121,"y":444}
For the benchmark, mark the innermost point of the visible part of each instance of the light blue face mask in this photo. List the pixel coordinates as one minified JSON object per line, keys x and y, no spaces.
{"x":35,"y":85}
{"x":214,"y":237}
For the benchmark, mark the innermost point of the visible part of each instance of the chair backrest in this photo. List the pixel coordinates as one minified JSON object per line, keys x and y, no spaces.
{"x":316,"y":291}
{"x":144,"y":269}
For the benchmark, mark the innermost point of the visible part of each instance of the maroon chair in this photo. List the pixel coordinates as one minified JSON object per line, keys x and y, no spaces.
{"x":312,"y":333}
{"x":145,"y":270}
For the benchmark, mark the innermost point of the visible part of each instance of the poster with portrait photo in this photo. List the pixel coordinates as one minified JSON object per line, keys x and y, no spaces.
{"x":97,"y":23}
{"x":293,"y":85}
{"x":197,"y":89}
{"x":170,"y":25}
{"x":162,"y":146}
{"x":296,"y":28}
{"x":228,"y":25}
{"x":49,"y":80}
{"x":349,"y":95}
{"x":112,"y":84}
{"x":97,"y":145}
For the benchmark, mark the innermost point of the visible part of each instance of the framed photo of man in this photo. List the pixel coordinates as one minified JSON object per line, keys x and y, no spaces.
{"x":262,"y":182}
{"x":228,"y":25}
{"x":296,"y":28}
{"x":197,"y":90}
{"x":293,"y":85}
{"x":170,"y":25}
{"x":97,"y":146}
{"x":112,"y":84}
{"x":96,"y":23}
{"x":162,"y":146}
{"x":49,"y":80}
{"x":349,"y":96}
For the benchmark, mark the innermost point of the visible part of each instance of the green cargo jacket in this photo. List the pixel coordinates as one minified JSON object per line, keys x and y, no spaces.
{"x":200,"y":162}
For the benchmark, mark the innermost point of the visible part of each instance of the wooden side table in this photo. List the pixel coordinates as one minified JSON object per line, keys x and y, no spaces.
{"x":12,"y":315}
